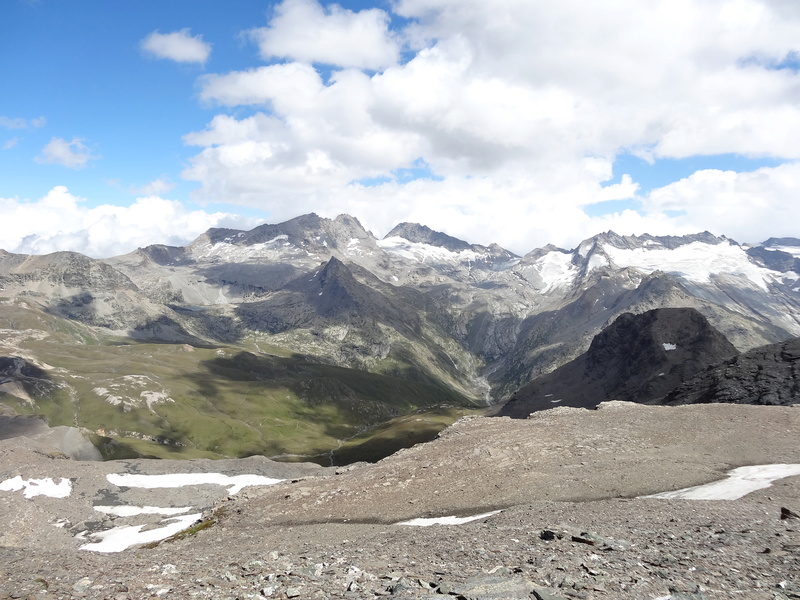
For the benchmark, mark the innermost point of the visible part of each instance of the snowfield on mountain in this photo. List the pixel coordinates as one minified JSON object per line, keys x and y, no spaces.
{"x":312,"y":339}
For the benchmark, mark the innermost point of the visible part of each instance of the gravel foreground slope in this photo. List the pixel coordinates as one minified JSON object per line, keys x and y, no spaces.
{"x":570,"y":526}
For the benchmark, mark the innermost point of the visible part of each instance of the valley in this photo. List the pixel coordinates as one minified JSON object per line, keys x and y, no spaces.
{"x":313,"y":340}
{"x":330,"y":417}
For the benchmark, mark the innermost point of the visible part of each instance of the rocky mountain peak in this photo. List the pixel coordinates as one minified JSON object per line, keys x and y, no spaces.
{"x":414,"y":232}
{"x":164,"y":255}
{"x":782,"y":241}
{"x":332,"y":290}
{"x":631,"y":242}
{"x":538,"y":253}
{"x":70,"y":269}
{"x":333,"y":271}
{"x":638,"y":358}
{"x":335,"y":295}
{"x":300,"y":231}
{"x":765,"y":375}
{"x":659,"y":337}
{"x":351,"y":226}
{"x":306,"y":231}
{"x":610,"y":237}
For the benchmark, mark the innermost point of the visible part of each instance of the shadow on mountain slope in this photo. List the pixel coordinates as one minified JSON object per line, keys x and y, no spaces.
{"x":333,"y":296}
{"x":21,"y":381}
{"x":208,"y":321}
{"x":250,"y":278}
{"x":277,"y":405}
{"x":164,"y":329}
{"x":638,"y":358}
{"x":769,"y":375}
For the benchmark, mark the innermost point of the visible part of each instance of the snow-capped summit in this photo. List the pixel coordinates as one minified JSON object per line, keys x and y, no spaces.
{"x":422,"y":244}
{"x":414,"y":232}
{"x":477,"y":317}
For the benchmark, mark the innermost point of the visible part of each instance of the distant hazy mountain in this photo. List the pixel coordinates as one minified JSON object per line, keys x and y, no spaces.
{"x":472,"y":323}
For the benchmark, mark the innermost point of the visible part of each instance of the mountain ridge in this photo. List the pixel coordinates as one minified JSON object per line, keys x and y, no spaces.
{"x":637,"y":358}
{"x":767,"y":375}
{"x":475,"y":322}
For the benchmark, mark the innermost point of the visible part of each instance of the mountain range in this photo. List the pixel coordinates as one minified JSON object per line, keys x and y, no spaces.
{"x":313,"y":338}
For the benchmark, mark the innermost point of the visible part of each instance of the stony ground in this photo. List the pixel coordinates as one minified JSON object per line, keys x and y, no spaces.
{"x":570,"y":527}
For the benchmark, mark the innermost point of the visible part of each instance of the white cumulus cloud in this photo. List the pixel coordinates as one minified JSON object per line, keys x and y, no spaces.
{"x":512,"y":112}
{"x":61,"y":221}
{"x":73,"y":154}
{"x":305,"y":31}
{"x":747,"y":206}
{"x":180,"y":46}
{"x":12,"y":123}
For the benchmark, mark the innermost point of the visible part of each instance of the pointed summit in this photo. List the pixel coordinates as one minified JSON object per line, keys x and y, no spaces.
{"x":414,"y":232}
{"x":338,"y":291}
{"x":442,"y":251}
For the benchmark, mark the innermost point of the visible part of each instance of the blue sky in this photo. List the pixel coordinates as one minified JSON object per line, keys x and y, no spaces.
{"x":123,"y":124}
{"x":79,"y":64}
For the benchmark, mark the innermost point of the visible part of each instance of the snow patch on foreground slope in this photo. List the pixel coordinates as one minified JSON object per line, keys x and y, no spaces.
{"x":450,"y":520}
{"x":135,"y":511}
{"x":118,"y":539}
{"x":121,"y":538}
{"x":37,"y":487}
{"x":176,"y":480}
{"x":739,"y":483}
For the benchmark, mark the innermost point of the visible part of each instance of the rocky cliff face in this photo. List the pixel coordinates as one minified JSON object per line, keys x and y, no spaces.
{"x":769,"y":375}
{"x":638,"y":358}
{"x":75,"y":287}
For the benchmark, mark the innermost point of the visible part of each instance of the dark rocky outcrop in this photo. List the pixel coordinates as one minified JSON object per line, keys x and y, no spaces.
{"x":638,"y":358}
{"x":766,"y":375}
{"x":777,"y":260}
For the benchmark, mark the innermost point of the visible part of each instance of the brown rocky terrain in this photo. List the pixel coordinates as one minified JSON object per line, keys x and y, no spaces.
{"x":567,"y":482}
